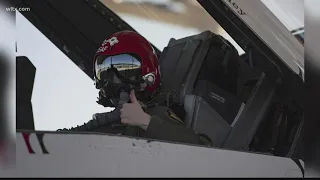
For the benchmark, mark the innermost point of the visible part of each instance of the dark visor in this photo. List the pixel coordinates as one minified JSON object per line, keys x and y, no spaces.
{"x":127,"y":66}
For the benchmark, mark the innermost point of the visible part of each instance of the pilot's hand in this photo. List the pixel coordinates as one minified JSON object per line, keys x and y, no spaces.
{"x":132,"y":113}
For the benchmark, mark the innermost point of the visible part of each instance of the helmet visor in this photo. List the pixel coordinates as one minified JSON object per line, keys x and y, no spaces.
{"x":127,"y":66}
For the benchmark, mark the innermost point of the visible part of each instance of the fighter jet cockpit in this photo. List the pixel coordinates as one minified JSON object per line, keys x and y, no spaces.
{"x":228,"y":72}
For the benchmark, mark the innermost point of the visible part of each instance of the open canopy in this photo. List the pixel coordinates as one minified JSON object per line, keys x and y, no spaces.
{"x":74,"y":32}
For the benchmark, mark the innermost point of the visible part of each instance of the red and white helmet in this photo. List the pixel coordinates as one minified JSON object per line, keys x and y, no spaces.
{"x":133,"y":58}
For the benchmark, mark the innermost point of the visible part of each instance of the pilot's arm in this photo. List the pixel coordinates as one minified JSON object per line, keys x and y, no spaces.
{"x":157,"y":128}
{"x":167,"y":130}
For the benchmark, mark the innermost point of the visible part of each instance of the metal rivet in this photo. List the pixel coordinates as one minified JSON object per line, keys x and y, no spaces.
{"x":65,"y":49}
{"x":81,"y":66}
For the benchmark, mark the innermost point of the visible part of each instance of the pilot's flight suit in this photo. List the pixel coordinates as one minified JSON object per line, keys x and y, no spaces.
{"x":164,"y":125}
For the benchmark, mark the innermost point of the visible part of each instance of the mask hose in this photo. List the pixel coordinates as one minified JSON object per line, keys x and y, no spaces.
{"x":102,"y":119}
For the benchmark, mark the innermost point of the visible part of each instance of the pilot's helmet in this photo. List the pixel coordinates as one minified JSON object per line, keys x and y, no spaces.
{"x":126,"y":60}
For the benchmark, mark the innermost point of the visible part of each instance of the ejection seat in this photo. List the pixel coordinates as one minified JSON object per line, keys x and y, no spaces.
{"x":209,"y":109}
